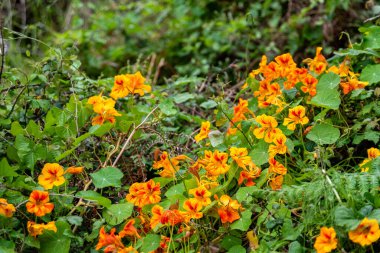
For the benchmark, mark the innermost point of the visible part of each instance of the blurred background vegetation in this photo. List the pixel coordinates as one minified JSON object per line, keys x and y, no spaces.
{"x":214,"y":39}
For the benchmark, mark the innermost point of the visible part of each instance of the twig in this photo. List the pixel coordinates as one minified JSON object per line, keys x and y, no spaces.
{"x":2,"y":50}
{"x":131,"y":135}
{"x":14,"y":104}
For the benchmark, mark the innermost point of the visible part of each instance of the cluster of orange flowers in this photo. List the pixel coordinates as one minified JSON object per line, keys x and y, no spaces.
{"x":366,"y":233}
{"x":112,"y":243}
{"x":6,"y":209}
{"x":168,"y":165}
{"x":372,"y":154}
{"x":123,"y":86}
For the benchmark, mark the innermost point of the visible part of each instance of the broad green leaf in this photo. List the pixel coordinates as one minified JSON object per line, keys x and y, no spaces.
{"x":345,"y":217}
{"x":328,"y":81}
{"x":216,"y":138}
{"x":209,"y":104}
{"x":100,"y":130}
{"x":7,"y":246}
{"x":296,"y":247}
{"x":323,"y":134}
{"x":244,"y":222}
{"x":94,"y":196}
{"x":229,"y":241}
{"x":371,"y":74}
{"x":150,"y":242}
{"x":327,"y":93}
{"x":183,"y":97}
{"x":16,"y":128}
{"x":237,"y":249}
{"x":108,"y":176}
{"x":5,"y":169}
{"x":260,"y":153}
{"x":117,"y":213}
{"x":33,"y":129}
{"x":74,"y":220}
{"x":57,"y":242}
{"x":244,"y":193}
{"x":375,"y":214}
{"x":177,"y":189}
{"x":167,"y":107}
{"x":371,"y":37}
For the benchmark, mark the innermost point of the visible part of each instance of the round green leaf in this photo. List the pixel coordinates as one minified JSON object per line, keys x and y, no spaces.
{"x":324,"y":134}
{"x":150,"y":242}
{"x":118,"y":213}
{"x":108,"y":176}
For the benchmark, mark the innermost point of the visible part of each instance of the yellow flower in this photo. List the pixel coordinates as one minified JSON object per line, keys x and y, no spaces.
{"x":129,"y":83}
{"x":6,"y":209}
{"x":205,"y":130}
{"x":217,"y":165}
{"x":170,"y":165}
{"x":74,"y":170}
{"x":51,"y":175}
{"x":192,"y":207}
{"x":326,"y":241}
{"x":319,"y":63}
{"x":366,"y":233}
{"x":201,"y":194}
{"x":35,"y":229}
{"x":268,"y":128}
{"x":296,"y":116}
{"x":278,"y":146}
{"x":240,"y":156}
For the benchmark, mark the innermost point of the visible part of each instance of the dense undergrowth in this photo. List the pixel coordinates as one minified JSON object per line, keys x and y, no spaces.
{"x":282,"y":155}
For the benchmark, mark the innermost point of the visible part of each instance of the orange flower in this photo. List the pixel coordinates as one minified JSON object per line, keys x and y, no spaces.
{"x":240,"y":110}
{"x":51,"y":175}
{"x":6,"y":209}
{"x":141,"y":194}
{"x":296,"y":116}
{"x":74,"y":170}
{"x":326,"y":241}
{"x":366,"y":233}
{"x":129,"y":230}
{"x":217,"y":165}
{"x":319,"y":63}
{"x":276,"y":167}
{"x":373,"y":153}
{"x":169,"y":165}
{"x":251,"y":173}
{"x":261,"y":69}
{"x":268,"y":128}
{"x":39,"y":203}
{"x":309,"y":85}
{"x":276,"y":182}
{"x":35,"y":229}
{"x":352,"y":84}
{"x":128,"y":249}
{"x":240,"y":156}
{"x":105,"y":110}
{"x":201,"y":194}
{"x":172,"y":217}
{"x":205,"y":130}
{"x":111,"y":242}
{"x":228,"y":210}
{"x":285,"y":63}
{"x":129,"y":83}
{"x":192,"y":207}
{"x":278,"y":146}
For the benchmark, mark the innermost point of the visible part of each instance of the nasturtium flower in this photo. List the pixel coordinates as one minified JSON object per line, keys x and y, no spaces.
{"x":351,"y":84}
{"x":278,"y":146}
{"x":249,"y":174}
{"x":326,"y":241}
{"x":276,"y":167}
{"x":74,"y":170}
{"x":201,"y":194}
{"x":51,"y":175}
{"x":372,"y":154}
{"x":285,"y":64}
{"x":309,"y":85}
{"x":261,"y":69}
{"x":129,"y":230}
{"x":276,"y":182}
{"x":111,"y":242}
{"x":319,"y":63}
{"x":106,"y":111}
{"x":217,"y":165}
{"x":164,"y":217}
{"x":169,"y":165}
{"x":193,"y":208}
{"x":35,"y":229}
{"x":366,"y":233}
{"x":240,"y":156}
{"x":268,"y":128}
{"x":240,"y":110}
{"x":141,"y":194}
{"x":296,"y":116}
{"x":39,"y":203}
{"x":129,"y":83}
{"x":205,"y":130}
{"x":228,"y":210}
{"x":6,"y":209}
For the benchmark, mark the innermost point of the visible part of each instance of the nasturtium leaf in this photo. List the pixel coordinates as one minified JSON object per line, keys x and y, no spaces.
{"x":74,"y":220}
{"x":216,"y":138}
{"x":371,"y":74}
{"x":167,"y":107}
{"x":7,"y":246}
{"x":244,"y":222}
{"x":94,"y":196}
{"x":177,"y":189}
{"x":237,"y":249}
{"x":16,"y":128}
{"x":33,"y":129}
{"x":327,"y":93}
{"x":259,"y":153}
{"x":150,"y":243}
{"x":183,"y":97}
{"x":371,"y":37}
{"x":100,"y":130}
{"x":5,"y":169}
{"x":229,"y":241}
{"x":209,"y":104}
{"x":328,"y":81}
{"x":323,"y":134}
{"x":296,"y":247}
{"x":345,"y":217}
{"x":108,"y":176}
{"x":244,"y":193}
{"x":117,"y":213}
{"x":57,"y":242}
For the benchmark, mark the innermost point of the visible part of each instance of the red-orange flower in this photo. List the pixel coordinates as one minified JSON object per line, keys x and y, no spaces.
{"x":319,"y":63}
{"x":39,"y":203}
{"x":228,"y":210}
{"x":35,"y":229}
{"x":240,"y":156}
{"x":51,"y":175}
{"x":276,"y":167}
{"x":276,"y":182}
{"x":296,"y":116}
{"x":74,"y":170}
{"x":278,"y":146}
{"x":217,"y":164}
{"x":205,"y":130}
{"x":309,"y":85}
{"x":129,"y":230}
{"x":326,"y":241}
{"x":141,"y":194}
{"x":249,"y":174}
{"x":161,"y":216}
{"x":111,"y":242}
{"x":366,"y":233}
{"x":169,"y":165}
{"x":192,"y":207}
{"x":6,"y":209}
